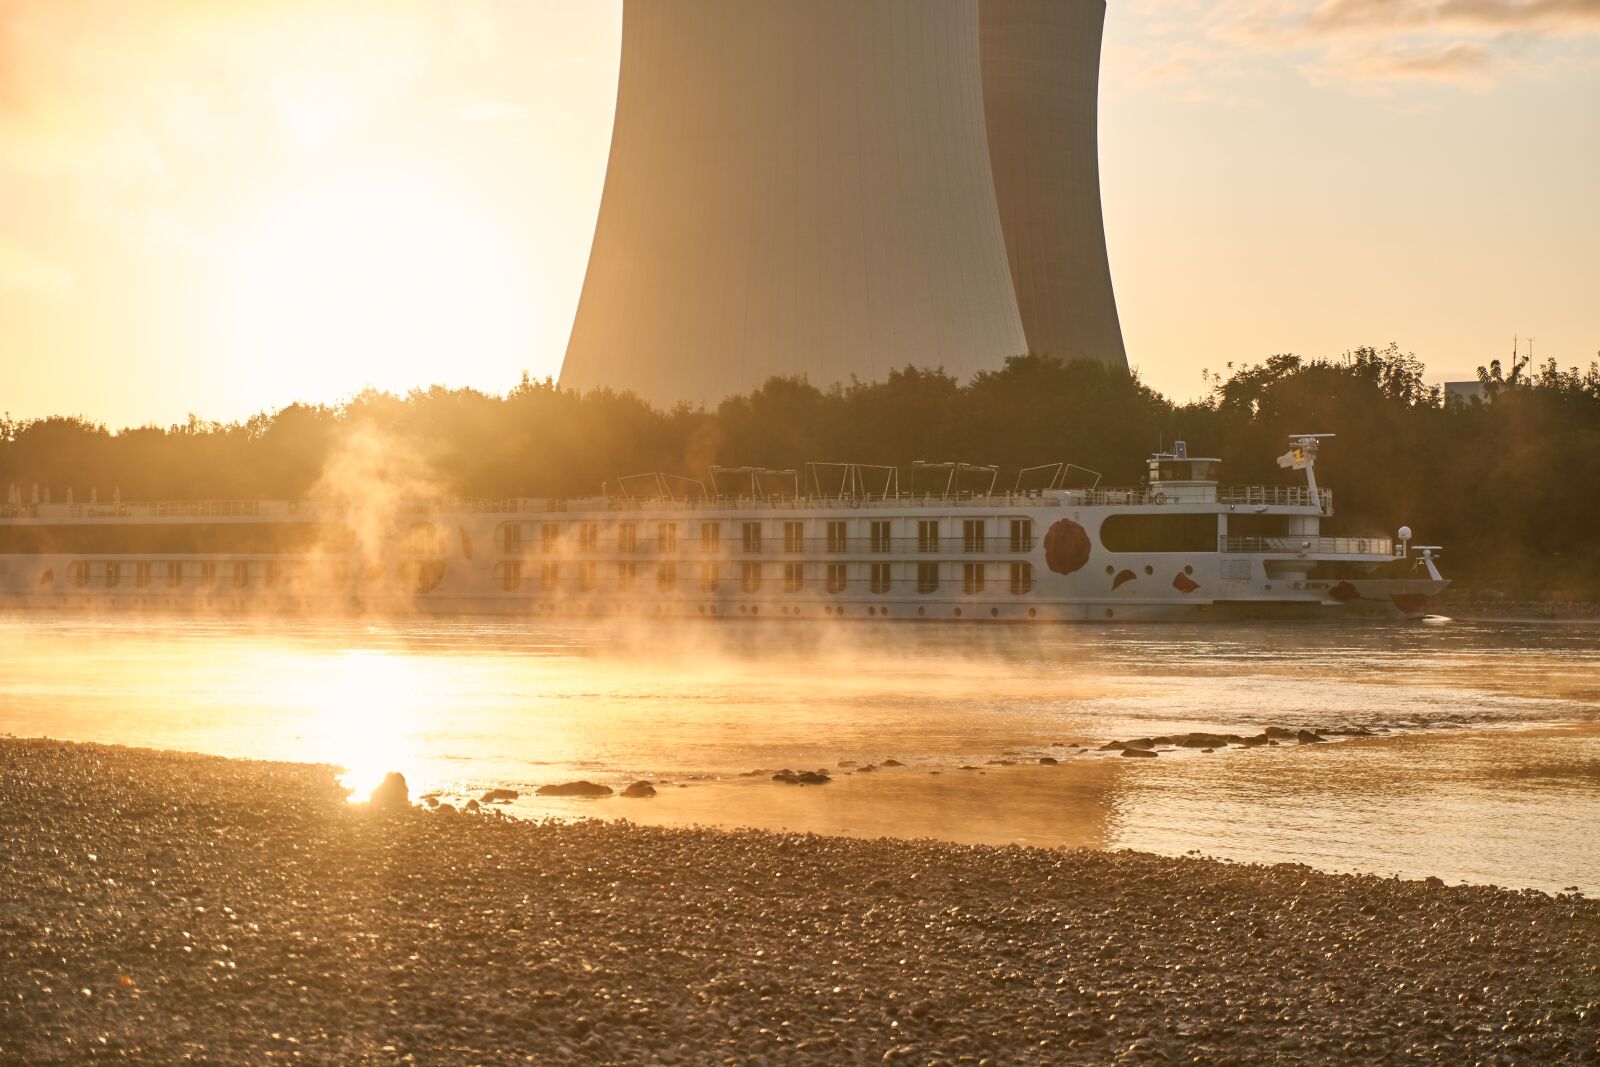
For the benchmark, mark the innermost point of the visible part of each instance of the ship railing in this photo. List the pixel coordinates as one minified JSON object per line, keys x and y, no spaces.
{"x":1293,"y":496}
{"x":1313,"y":546}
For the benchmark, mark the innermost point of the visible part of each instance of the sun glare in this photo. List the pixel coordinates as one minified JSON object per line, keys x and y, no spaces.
{"x":363,"y":707}
{"x":383,"y":281}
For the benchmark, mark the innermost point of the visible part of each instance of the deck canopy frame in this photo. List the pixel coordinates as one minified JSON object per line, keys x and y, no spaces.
{"x":855,"y":480}
{"x":953,"y":472}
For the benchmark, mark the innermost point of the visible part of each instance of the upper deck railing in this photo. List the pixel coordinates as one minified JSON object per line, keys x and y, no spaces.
{"x":1297,"y":496}
{"x":1314,"y":546}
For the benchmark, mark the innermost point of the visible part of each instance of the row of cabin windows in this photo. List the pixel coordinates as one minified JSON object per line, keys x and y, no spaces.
{"x":974,"y":536}
{"x":422,"y":575}
{"x":709,"y":576}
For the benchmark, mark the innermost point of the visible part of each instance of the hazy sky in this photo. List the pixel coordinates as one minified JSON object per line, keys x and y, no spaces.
{"x":223,"y":207}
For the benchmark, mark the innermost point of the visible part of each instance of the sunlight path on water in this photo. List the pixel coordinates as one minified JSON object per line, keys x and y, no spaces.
{"x":1488,"y":769}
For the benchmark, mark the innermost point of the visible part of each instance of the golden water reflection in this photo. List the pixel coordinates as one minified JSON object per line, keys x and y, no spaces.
{"x":1492,"y":772}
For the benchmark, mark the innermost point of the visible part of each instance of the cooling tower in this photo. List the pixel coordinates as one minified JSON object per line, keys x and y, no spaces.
{"x":1041,"y":76}
{"x":812,"y":187}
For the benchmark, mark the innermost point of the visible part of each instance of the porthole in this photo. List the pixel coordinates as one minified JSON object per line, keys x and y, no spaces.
{"x":958,"y":613}
{"x":702,"y":608}
{"x":754,"y":610}
{"x":1110,"y":569}
{"x":872,"y":611}
{"x":994,"y":613}
{"x":922,"y":611}
{"x":827,"y":611}
{"x":1149,"y":570}
{"x":742,"y":609}
{"x":1188,"y":569}
{"x":1032,"y":613}
{"x":1108,"y":613}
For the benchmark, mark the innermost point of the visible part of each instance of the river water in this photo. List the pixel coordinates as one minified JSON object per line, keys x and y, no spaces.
{"x":1488,"y":770}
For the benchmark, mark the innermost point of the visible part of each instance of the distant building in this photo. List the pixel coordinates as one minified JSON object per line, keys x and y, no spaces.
{"x":840,"y":188}
{"x":1464,"y":392}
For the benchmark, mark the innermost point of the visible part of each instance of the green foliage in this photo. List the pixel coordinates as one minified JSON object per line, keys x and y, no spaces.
{"x":1509,"y":485}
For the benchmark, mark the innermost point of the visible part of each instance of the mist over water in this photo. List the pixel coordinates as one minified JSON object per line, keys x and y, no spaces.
{"x":1489,"y":771}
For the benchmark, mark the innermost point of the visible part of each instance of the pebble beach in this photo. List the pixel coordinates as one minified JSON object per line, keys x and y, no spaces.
{"x":159,"y":907}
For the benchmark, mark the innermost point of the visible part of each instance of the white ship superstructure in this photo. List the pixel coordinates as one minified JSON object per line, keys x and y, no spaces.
{"x":1182,"y":546}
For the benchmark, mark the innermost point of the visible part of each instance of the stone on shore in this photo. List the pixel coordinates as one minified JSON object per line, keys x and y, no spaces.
{"x":391,"y":794}
{"x":580,"y":788}
{"x":639,"y":791}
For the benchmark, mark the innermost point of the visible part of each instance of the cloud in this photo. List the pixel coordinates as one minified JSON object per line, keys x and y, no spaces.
{"x":1365,"y":46}
{"x":1483,"y":17}
{"x":23,"y":271}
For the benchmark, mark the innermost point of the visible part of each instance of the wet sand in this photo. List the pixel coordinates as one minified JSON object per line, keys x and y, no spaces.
{"x":167,"y":908}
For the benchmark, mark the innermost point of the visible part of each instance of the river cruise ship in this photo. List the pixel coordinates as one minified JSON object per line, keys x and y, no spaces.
{"x":838,"y":541}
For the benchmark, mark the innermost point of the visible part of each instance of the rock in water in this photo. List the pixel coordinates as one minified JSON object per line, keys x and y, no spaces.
{"x":639,"y":790}
{"x":893,"y":763}
{"x":575,"y":789}
{"x":392,"y":794}
{"x":813,"y":778}
{"x":787,"y":777}
{"x":472,"y":805}
{"x":1142,"y":753}
{"x":1048,"y":761}
{"x":499,"y":796}
{"x":1306,"y":737}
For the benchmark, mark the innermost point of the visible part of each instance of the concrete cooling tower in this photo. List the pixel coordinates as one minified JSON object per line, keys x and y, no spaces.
{"x":839,"y":188}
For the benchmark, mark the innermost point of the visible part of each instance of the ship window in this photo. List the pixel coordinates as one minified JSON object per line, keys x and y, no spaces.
{"x":794,"y":537}
{"x":880,"y":577}
{"x":274,"y":573}
{"x":752,"y":537}
{"x":751,"y":577}
{"x":837,"y":542}
{"x":627,"y":537}
{"x":927,"y":577}
{"x":927,"y":535}
{"x":588,"y":536}
{"x":549,"y":534}
{"x":113,"y":575}
{"x":510,"y":574}
{"x":586,"y":576}
{"x":1022,"y":535}
{"x":422,"y":575}
{"x":837,"y":577}
{"x":549,"y":576}
{"x":881,"y":541}
{"x":141,"y":574}
{"x":709,"y":577}
{"x":241,"y":574}
{"x":666,"y":577}
{"x":509,"y":536}
{"x":627,"y":576}
{"x":794,"y":577}
{"x":972,"y":535}
{"x":424,"y":539}
{"x":79,"y":574}
{"x":710,"y":536}
{"x":972,"y":575}
{"x":175,"y":573}
{"x":1021,"y":578}
{"x":667,"y":537}
{"x":1159,"y":533}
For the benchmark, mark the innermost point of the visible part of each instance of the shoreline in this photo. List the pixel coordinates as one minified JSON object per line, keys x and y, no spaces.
{"x":169,"y":907}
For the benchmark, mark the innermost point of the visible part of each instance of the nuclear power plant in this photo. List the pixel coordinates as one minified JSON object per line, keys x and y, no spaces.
{"x":841,"y":188}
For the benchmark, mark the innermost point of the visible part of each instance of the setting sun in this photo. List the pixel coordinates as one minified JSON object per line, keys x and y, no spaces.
{"x":367,"y":281}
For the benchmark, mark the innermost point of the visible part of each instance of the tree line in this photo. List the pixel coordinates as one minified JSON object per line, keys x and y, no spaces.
{"x":1510,"y":484}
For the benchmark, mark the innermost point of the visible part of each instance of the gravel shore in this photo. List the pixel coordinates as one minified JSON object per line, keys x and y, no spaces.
{"x":166,"y":908}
